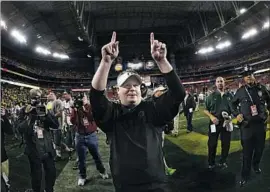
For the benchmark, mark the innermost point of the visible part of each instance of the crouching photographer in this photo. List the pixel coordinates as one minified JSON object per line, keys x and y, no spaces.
{"x":85,"y":137}
{"x":34,"y":125}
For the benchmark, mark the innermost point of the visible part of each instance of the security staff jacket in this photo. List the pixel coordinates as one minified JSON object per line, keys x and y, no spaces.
{"x":136,"y":151}
{"x":241,"y":102}
{"x":215,"y":104}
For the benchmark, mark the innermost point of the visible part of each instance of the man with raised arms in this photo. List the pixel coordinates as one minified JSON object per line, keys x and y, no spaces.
{"x":136,"y":158}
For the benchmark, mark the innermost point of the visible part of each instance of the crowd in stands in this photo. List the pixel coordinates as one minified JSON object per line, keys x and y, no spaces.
{"x":253,"y":57}
{"x":190,"y":68}
{"x":47,"y":72}
{"x":12,"y":95}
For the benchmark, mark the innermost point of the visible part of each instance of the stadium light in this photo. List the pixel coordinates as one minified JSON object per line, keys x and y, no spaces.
{"x":249,"y":33}
{"x":17,"y":35}
{"x":61,"y":56}
{"x":223,"y":45}
{"x":3,"y":24}
{"x":243,"y":10}
{"x":43,"y":50}
{"x":206,"y":50}
{"x":266,"y":25}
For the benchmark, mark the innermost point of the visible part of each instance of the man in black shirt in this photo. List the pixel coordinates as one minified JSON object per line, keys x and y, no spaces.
{"x":249,"y":107}
{"x":136,"y":159}
{"x":189,"y":106}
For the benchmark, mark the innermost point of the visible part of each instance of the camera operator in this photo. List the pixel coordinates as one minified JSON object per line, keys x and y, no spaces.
{"x":34,"y":125}
{"x":85,"y":137}
{"x":6,"y":128}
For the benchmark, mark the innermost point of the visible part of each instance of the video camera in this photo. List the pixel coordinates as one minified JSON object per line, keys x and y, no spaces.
{"x":78,"y":101}
{"x":41,"y":110}
{"x":36,"y":105}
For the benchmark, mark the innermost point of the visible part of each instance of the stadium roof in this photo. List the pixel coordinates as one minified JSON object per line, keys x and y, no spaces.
{"x":79,"y":29}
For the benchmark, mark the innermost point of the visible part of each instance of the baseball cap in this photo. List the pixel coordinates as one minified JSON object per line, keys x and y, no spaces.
{"x":125,"y":75}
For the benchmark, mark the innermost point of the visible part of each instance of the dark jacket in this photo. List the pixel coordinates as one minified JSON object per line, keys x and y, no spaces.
{"x":190,"y":103}
{"x":26,"y":128}
{"x":5,"y":129}
{"x":241,"y":102}
{"x":136,"y":150}
{"x":83,"y":120}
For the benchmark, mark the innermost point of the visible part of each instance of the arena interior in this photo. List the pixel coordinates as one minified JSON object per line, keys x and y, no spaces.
{"x":55,"y":46}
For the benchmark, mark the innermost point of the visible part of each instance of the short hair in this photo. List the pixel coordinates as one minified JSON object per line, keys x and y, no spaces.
{"x":220,"y":78}
{"x":35,"y":92}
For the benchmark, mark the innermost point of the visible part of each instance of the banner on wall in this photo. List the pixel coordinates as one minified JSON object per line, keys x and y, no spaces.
{"x":135,"y":66}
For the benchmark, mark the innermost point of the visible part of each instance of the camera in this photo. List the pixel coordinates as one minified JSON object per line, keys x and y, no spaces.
{"x":41,"y":110}
{"x":37,"y":106}
{"x":78,"y":101}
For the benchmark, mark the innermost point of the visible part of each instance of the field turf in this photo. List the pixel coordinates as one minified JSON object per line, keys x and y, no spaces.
{"x":186,"y":152}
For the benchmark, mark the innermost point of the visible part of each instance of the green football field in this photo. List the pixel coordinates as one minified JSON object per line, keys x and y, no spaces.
{"x":186,"y":152}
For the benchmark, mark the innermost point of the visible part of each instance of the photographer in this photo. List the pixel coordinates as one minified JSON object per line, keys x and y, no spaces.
{"x":34,"y":125}
{"x":85,"y":137}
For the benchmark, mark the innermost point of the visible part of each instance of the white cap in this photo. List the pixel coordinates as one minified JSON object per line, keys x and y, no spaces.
{"x":124,"y":76}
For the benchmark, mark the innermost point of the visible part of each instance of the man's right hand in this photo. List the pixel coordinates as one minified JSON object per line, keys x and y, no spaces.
{"x":111,"y":50}
{"x":214,"y":120}
{"x":240,"y":118}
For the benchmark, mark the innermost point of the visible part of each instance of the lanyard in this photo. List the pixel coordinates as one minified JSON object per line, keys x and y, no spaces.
{"x":249,"y":95}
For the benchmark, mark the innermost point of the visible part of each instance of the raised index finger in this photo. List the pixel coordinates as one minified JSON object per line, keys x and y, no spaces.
{"x":113,"y":37}
{"x":152,"y":38}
